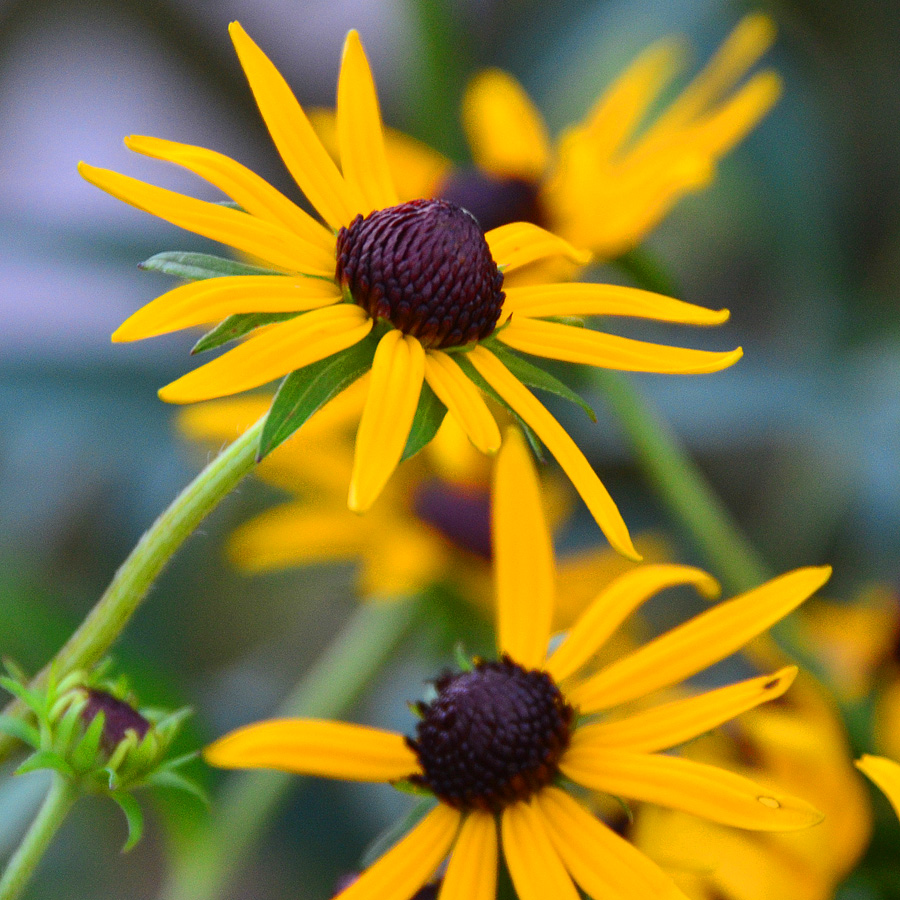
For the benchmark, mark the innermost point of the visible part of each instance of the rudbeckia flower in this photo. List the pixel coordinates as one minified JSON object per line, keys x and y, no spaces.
{"x":886,"y":774}
{"x":507,"y":745}
{"x":412,"y":290}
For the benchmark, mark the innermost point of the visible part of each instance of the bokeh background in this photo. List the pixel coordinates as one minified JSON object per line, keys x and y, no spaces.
{"x":799,"y":236}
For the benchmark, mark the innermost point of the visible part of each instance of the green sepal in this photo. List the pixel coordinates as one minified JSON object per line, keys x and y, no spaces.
{"x":395,"y":832}
{"x":46,"y":759}
{"x":166,"y":778}
{"x":134,"y":816}
{"x":85,"y":751}
{"x":236,"y":326}
{"x":198,"y":266}
{"x":66,"y":727}
{"x":428,"y":418}
{"x":20,"y":730}
{"x":30,"y":698}
{"x":463,"y":660}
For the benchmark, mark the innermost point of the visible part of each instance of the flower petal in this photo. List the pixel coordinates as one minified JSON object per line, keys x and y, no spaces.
{"x":316,"y":747}
{"x":524,"y":570}
{"x":463,"y":400}
{"x":534,"y":865}
{"x":609,"y":351}
{"x":682,"y":720}
{"x":692,"y":787}
{"x":273,"y":352}
{"x":360,"y":133}
{"x":885,"y":773}
{"x":696,"y":644}
{"x":563,"y":448}
{"x":613,"y":605}
{"x":397,"y":374}
{"x":505,"y":131}
{"x":214,"y":299}
{"x":472,"y":871}
{"x":302,"y":152}
{"x":519,"y":243}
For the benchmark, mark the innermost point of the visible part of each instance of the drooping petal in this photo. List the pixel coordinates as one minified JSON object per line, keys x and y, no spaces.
{"x":682,"y":720}
{"x":273,"y":352}
{"x":316,"y":747}
{"x":463,"y":400}
{"x":214,"y":299}
{"x":696,"y":644}
{"x":692,"y":787}
{"x":302,"y":152}
{"x":535,"y":867}
{"x":519,"y":243}
{"x":563,"y":448}
{"x":609,"y":351}
{"x":472,"y":871}
{"x":524,"y":569}
{"x":360,"y":133}
{"x":398,"y":371}
{"x":885,"y":773}
{"x":615,"y":602}
{"x":505,"y":131}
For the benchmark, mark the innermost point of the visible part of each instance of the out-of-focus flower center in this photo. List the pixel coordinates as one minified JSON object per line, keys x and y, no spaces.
{"x":494,"y":201}
{"x":424,"y":266}
{"x":492,"y":736}
{"x":119,"y":718}
{"x":460,"y":514}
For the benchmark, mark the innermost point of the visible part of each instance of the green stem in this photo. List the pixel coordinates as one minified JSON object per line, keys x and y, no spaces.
{"x":208,"y":865}
{"x":130,"y":584}
{"x":62,"y":794}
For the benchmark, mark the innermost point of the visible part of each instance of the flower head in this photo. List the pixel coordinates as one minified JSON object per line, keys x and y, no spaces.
{"x":412,"y":290}
{"x":512,"y":740}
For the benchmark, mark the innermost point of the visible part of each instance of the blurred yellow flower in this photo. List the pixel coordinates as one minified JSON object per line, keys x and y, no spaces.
{"x":886,"y":774}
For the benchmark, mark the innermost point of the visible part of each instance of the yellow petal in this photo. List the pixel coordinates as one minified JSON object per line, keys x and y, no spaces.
{"x":505,"y":131}
{"x":609,"y":351}
{"x":613,"y":605}
{"x":472,"y":871}
{"x":400,"y":873}
{"x":696,"y":644}
{"x":520,"y":243}
{"x":397,"y":374}
{"x":214,"y":299}
{"x":316,"y":747}
{"x":252,"y":193}
{"x":273,"y":352}
{"x":360,"y":135}
{"x":682,"y":720}
{"x":563,"y":448}
{"x":692,"y":787}
{"x":604,"y":864}
{"x":463,"y":400}
{"x":534,"y":865}
{"x":885,"y":773}
{"x":302,"y":152}
{"x":222,"y":420}
{"x":524,"y":570}
{"x":537,"y":301}
{"x":258,"y":237}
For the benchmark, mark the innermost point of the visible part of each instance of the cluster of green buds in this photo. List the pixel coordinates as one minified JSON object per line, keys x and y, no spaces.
{"x":88,"y":730}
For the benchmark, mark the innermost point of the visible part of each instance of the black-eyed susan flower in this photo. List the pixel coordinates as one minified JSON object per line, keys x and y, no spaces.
{"x":411,"y":290}
{"x":507,"y":746}
{"x":885,"y":773}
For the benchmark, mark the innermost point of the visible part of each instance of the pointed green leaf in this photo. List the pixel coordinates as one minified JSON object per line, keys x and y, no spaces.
{"x":16,"y":728}
{"x":169,"y":779}
{"x":15,"y":670}
{"x":197,"y":266}
{"x":84,"y":754}
{"x":133,"y":815}
{"x":46,"y":759}
{"x":65,"y":728}
{"x":178,"y":761}
{"x":237,"y":326}
{"x":429,"y":414}
{"x":29,"y":698}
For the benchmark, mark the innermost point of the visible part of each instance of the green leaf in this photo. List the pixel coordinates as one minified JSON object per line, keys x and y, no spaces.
{"x":307,"y":389}
{"x":133,"y":815}
{"x":84,"y":754}
{"x":197,"y":266}
{"x":24,"y":732}
{"x":237,"y":326}
{"x":30,"y":698}
{"x":46,"y":759}
{"x":168,"y":779}
{"x":429,"y":414}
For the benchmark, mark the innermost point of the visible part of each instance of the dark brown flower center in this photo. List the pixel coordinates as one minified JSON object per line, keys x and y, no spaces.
{"x":424,"y":266}
{"x":494,"y":201}
{"x":119,"y":718}
{"x":492,"y":736}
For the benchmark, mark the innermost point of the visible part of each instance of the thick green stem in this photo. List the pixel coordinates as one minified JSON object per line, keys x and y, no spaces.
{"x":207,"y":866}
{"x":130,"y":584}
{"x":53,"y":811}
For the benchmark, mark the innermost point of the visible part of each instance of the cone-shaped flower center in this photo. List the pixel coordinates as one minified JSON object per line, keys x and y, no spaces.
{"x":494,"y":201}
{"x":492,"y":736}
{"x":119,"y":718}
{"x":426,"y":267}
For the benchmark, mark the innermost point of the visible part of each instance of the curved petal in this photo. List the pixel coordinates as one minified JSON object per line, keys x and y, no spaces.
{"x":237,"y":229}
{"x":885,"y":773}
{"x":398,"y":371}
{"x":519,"y":243}
{"x":359,"y":129}
{"x":613,"y":605}
{"x":214,"y":299}
{"x":692,"y":787}
{"x":316,"y":747}
{"x":682,"y":720}
{"x":609,"y":351}
{"x":463,"y":400}
{"x":563,"y":448}
{"x":505,"y":131}
{"x":524,"y":570}
{"x":273,"y":352}
{"x":302,"y":152}
{"x":472,"y":871}
{"x":696,"y":644}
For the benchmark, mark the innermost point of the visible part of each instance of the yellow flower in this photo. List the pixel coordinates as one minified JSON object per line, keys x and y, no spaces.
{"x":885,"y":773}
{"x":420,"y":279}
{"x":502,"y":745}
